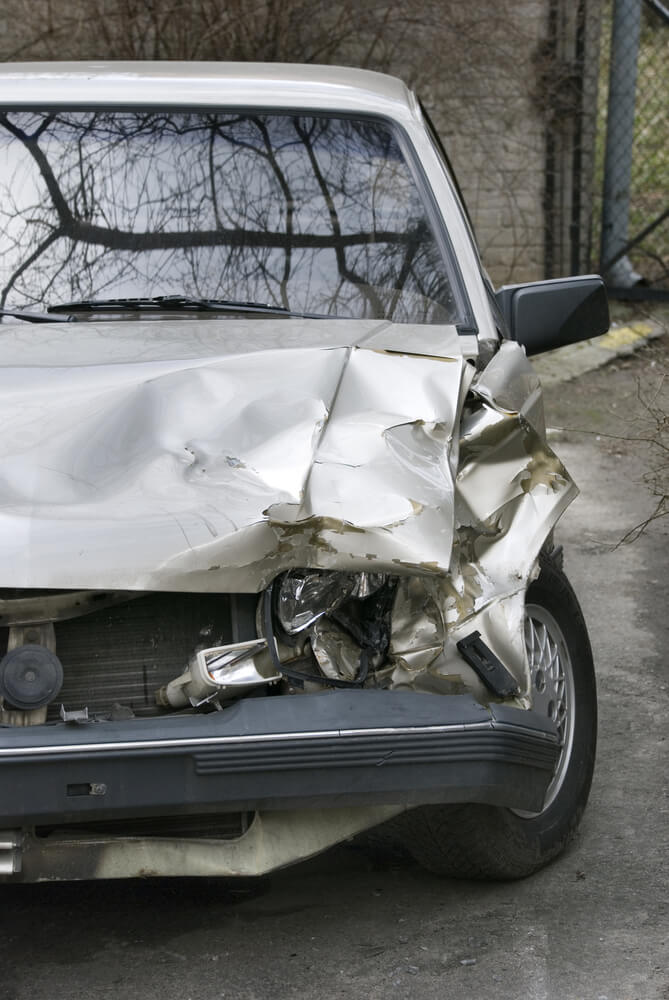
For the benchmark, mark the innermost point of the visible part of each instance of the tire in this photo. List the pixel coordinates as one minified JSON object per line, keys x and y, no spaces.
{"x":489,"y":842}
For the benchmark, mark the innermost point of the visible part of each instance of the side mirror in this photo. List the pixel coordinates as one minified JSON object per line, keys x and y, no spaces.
{"x":544,"y":315}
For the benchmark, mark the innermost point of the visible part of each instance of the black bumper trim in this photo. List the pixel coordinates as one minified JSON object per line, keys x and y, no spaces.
{"x":339,"y":748}
{"x":374,"y":751}
{"x":58,"y":749}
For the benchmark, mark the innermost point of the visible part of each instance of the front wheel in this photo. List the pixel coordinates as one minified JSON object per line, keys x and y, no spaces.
{"x":489,"y":842}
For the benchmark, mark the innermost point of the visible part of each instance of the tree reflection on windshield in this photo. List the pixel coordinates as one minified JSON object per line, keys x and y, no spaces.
{"x":315,"y":214}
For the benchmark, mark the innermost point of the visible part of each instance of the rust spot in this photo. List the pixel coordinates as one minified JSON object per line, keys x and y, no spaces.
{"x":404,"y":354}
{"x":544,"y":467}
{"x":316,"y":524}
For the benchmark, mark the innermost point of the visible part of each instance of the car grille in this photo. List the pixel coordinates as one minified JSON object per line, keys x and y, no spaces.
{"x":120,"y":655}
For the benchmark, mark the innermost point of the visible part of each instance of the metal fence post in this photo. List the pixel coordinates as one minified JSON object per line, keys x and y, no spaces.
{"x":620,"y":139}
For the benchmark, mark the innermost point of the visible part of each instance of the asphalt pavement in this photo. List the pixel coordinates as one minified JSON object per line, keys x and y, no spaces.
{"x":594,"y":925}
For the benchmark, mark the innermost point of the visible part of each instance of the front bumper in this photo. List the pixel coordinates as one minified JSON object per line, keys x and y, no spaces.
{"x":336,"y":749}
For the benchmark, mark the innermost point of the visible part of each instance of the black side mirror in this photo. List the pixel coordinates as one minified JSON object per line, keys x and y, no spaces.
{"x":544,"y":315}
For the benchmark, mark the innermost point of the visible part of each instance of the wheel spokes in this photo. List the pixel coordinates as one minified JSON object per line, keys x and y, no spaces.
{"x":551,"y":682}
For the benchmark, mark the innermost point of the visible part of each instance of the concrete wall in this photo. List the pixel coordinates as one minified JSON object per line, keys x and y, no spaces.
{"x":495,"y":134}
{"x":520,"y":127}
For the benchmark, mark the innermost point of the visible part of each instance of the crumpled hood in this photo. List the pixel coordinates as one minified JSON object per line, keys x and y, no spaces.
{"x":211,"y":455}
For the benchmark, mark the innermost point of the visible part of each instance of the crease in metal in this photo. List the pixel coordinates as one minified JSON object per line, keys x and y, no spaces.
{"x":212,"y":457}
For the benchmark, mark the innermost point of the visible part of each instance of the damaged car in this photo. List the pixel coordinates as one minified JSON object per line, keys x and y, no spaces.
{"x":276,"y":499}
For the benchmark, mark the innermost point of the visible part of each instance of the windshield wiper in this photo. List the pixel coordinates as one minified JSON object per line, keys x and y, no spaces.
{"x":31,"y":317}
{"x":174,"y":303}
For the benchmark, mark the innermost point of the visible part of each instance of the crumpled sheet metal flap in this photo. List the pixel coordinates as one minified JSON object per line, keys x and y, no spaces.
{"x":509,"y":384}
{"x":508,"y":380}
{"x":510,"y":489}
{"x":216,"y":471}
{"x":383,"y":465}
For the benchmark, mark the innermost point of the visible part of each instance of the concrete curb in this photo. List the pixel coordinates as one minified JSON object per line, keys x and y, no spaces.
{"x":569,"y":362}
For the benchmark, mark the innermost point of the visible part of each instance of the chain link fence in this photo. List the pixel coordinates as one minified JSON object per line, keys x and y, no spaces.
{"x":631,"y":210}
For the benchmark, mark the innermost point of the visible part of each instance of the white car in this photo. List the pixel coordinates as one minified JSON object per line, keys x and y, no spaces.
{"x":276,"y":502}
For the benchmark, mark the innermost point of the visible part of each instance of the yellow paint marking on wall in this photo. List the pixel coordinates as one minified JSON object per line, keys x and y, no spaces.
{"x":622,"y":335}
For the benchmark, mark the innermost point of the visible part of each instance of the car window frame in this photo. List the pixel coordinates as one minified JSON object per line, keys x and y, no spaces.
{"x":465,"y":323}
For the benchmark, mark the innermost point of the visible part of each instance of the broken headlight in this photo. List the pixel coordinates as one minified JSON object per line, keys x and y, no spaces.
{"x":306,"y":595}
{"x":220,"y":672}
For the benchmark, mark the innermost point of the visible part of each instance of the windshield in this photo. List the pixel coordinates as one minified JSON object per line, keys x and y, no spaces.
{"x":313,"y":214}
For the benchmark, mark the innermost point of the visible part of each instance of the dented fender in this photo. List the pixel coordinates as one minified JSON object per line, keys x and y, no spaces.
{"x":213,"y":457}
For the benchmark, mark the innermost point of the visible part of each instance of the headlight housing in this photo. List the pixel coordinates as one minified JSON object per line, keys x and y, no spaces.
{"x":305,"y":595}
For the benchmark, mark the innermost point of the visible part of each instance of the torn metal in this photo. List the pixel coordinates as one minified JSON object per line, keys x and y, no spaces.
{"x":222,"y":671}
{"x":218,"y":457}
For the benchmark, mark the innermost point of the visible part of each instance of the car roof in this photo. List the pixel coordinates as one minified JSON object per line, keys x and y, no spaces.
{"x":270,"y":85}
